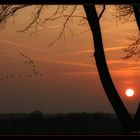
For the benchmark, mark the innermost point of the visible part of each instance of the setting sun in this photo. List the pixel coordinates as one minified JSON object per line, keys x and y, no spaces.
{"x":129,"y":92}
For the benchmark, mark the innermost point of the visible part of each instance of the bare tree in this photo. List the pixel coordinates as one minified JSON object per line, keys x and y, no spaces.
{"x":126,"y":13}
{"x":93,"y":18}
{"x":104,"y":74}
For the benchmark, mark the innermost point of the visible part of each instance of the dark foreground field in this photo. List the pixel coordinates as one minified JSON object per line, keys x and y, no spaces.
{"x":37,"y":123}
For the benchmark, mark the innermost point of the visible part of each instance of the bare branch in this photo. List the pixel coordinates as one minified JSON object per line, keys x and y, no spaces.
{"x":100,"y":15}
{"x":60,"y":11}
{"x":35,"y":19}
{"x":133,"y":48}
{"x":6,"y":11}
{"x":64,"y":26}
{"x":123,"y":12}
{"x":87,"y":30}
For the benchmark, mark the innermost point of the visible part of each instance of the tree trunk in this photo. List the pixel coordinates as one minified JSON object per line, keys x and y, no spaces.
{"x":136,"y":9}
{"x":114,"y":98}
{"x":136,"y":122}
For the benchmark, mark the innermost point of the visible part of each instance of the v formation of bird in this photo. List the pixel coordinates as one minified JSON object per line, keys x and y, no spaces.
{"x":27,"y":61}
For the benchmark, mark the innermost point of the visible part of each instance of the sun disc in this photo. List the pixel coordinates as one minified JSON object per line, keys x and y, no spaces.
{"x":129,"y":92}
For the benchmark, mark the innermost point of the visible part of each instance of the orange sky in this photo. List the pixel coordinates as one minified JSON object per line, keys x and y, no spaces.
{"x":71,"y":82}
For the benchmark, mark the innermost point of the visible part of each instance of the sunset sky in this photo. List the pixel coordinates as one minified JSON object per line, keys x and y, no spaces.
{"x":70,"y":81}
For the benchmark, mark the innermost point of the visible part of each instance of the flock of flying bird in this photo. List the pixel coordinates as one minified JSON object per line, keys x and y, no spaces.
{"x":30,"y":62}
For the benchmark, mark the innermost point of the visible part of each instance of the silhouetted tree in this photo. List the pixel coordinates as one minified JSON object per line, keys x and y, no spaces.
{"x":125,"y":13}
{"x":36,"y":115}
{"x":93,"y":18}
{"x":105,"y":77}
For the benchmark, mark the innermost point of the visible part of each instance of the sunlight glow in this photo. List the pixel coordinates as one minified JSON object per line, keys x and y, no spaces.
{"x":129,"y":92}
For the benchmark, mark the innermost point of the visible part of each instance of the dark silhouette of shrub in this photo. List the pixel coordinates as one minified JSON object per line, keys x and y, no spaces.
{"x":36,"y":115}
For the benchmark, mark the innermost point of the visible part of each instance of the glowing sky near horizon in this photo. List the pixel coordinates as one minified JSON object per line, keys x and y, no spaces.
{"x":71,"y":82}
